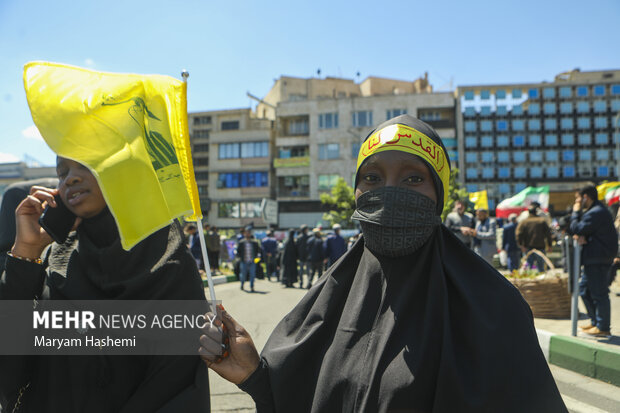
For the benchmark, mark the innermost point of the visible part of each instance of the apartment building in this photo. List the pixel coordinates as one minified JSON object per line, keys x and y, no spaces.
{"x":232,"y":152}
{"x":12,"y":172}
{"x":559,"y":133}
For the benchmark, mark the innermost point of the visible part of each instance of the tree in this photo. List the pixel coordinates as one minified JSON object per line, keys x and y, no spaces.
{"x":455,"y":193}
{"x":341,"y":202}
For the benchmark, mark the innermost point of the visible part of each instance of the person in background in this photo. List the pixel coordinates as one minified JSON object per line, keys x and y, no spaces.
{"x":194,"y":244}
{"x":509,"y":243}
{"x":485,"y":234}
{"x":288,"y":263}
{"x":335,"y":246}
{"x":213,"y":248}
{"x":302,"y":254}
{"x":316,"y":255}
{"x":248,"y":251}
{"x":534,"y":233}
{"x":616,"y":263}
{"x":461,"y":223}
{"x":592,"y":225}
{"x":270,"y":250}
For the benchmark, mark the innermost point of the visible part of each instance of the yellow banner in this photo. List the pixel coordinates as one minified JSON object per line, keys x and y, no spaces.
{"x":479,"y":199}
{"x":129,"y":130}
{"x":403,"y":138}
{"x":603,"y":188}
{"x":296,"y":162}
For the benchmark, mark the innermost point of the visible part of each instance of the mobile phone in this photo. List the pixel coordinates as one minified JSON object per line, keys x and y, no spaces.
{"x":57,"y":221}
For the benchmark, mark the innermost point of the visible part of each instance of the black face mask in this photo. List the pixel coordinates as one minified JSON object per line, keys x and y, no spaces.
{"x":395,"y":221}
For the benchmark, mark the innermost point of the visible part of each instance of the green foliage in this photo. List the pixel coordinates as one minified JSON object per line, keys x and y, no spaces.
{"x":341,"y":202}
{"x":455,"y":193}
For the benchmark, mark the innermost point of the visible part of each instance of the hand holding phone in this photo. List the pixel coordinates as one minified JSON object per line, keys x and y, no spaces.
{"x":57,"y":221}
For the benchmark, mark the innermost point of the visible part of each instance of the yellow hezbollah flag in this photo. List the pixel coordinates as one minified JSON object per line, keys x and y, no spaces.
{"x":129,"y":130}
{"x":479,"y":199}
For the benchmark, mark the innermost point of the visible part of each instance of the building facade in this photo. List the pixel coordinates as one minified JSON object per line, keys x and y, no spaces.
{"x":559,"y":133}
{"x":20,"y":171}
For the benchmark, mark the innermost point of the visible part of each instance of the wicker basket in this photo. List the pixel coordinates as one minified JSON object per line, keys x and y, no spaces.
{"x":547,"y":295}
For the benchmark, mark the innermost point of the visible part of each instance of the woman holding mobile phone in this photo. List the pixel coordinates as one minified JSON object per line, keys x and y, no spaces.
{"x":92,"y":265}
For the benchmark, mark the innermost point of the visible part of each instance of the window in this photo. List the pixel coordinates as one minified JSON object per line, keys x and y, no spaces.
{"x":599,"y":90}
{"x":551,"y":124}
{"x":471,"y":187}
{"x":469,"y":95}
{"x":500,"y":94}
{"x":202,"y":120}
{"x":584,"y":139}
{"x":568,"y":156}
{"x":255,"y":149}
{"x":471,"y":157}
{"x":487,"y":156}
{"x":239,"y":209}
{"x":536,"y":172}
{"x":228,"y":209}
{"x":503,"y":173}
{"x":470,"y":126}
{"x":502,"y":141}
{"x":503,"y":156}
{"x":536,"y":156}
{"x":520,"y":172}
{"x":228,"y":151}
{"x":449,"y":142}
{"x":486,"y":141}
{"x":484,"y":111}
{"x":552,"y":172}
{"x":566,"y":123}
{"x":533,"y":124}
{"x":453,"y":155}
{"x":601,"y":139}
{"x":549,"y":108}
{"x":602,"y":171}
{"x":516,"y":93}
{"x":600,"y":122}
{"x":566,"y":107}
{"x":615,"y":89}
{"x":532,"y":93}
{"x":328,"y":120}
{"x":582,"y":91}
{"x":486,"y":125}
{"x":327,"y":181}
{"x":355,"y":149}
{"x":602,"y":155}
{"x":471,"y":173}
{"x":488,"y":173}
{"x":583,"y":123}
{"x":517,"y":110}
{"x":585,"y":155}
{"x":518,"y":124}
{"x":504,"y":188}
{"x":293,"y":152}
{"x":502,"y":125}
{"x":230,"y":125}
{"x":518,"y":156}
{"x":200,"y":147}
{"x":569,"y":172}
{"x":565,"y":92}
{"x":242,"y":179}
{"x":518,"y":141}
{"x":470,"y":112}
{"x":298,"y":126}
{"x":201,"y":161}
{"x":361,"y":119}
{"x":583,"y":107}
{"x":551,"y":140}
{"x":600,"y":106}
{"x":202,"y":176}
{"x":485,"y":94}
{"x":289,"y":186}
{"x":568,"y":139}
{"x":329,"y":151}
{"x":615,"y":105}
{"x":470,"y":142}
{"x":392,"y":113}
{"x":535,"y":140}
{"x":199,"y":134}
{"x":501,"y":110}
{"x":549,"y":93}
{"x":551,"y":156}
{"x":534,"y":109}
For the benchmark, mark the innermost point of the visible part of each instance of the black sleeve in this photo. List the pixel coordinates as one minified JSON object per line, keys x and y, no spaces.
{"x":258,"y":386}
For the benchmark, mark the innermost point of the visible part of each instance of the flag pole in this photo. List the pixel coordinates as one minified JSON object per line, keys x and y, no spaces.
{"x":201,"y":235}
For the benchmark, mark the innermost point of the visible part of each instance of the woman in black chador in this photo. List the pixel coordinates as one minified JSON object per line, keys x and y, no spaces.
{"x":289,"y":260}
{"x":409,"y":319}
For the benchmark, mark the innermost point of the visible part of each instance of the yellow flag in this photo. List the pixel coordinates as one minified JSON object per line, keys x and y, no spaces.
{"x":129,"y":130}
{"x":479,"y":199}
{"x":602,"y":189}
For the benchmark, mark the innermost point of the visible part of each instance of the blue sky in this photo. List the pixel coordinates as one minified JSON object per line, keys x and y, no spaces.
{"x":230,"y":47}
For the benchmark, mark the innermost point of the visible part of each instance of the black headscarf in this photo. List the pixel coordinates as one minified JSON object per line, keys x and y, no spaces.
{"x":438,"y":331}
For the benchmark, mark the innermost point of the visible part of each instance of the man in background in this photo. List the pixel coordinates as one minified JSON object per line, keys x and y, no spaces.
{"x":302,"y":253}
{"x":461,"y":223}
{"x":213,"y":249}
{"x":270,"y":249}
{"x":316,"y":255}
{"x":509,"y":243}
{"x":485,"y":234}
{"x":335,"y":246}
{"x":534,"y":233}
{"x":248,"y":252}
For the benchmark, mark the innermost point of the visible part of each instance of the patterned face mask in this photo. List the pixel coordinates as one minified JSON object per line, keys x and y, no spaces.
{"x":395,"y":221}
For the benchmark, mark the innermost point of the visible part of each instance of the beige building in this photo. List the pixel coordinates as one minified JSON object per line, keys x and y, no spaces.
{"x":20,"y":171}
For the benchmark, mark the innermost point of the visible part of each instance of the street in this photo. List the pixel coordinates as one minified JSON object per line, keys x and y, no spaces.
{"x":259,"y":313}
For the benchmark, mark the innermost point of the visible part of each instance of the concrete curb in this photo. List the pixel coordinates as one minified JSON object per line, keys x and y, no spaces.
{"x":580,"y":356}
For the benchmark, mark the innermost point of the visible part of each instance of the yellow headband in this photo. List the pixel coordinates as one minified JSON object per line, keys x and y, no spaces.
{"x":403,"y":138}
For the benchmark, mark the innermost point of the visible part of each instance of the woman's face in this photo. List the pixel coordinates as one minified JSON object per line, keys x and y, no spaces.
{"x":395,"y":168}
{"x":78,"y":188}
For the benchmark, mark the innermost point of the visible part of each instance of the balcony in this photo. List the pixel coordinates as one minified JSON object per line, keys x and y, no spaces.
{"x":296,"y":162}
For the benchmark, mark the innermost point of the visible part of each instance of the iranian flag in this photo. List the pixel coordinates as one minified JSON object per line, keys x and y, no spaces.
{"x":609,"y":191}
{"x":522,"y":200}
